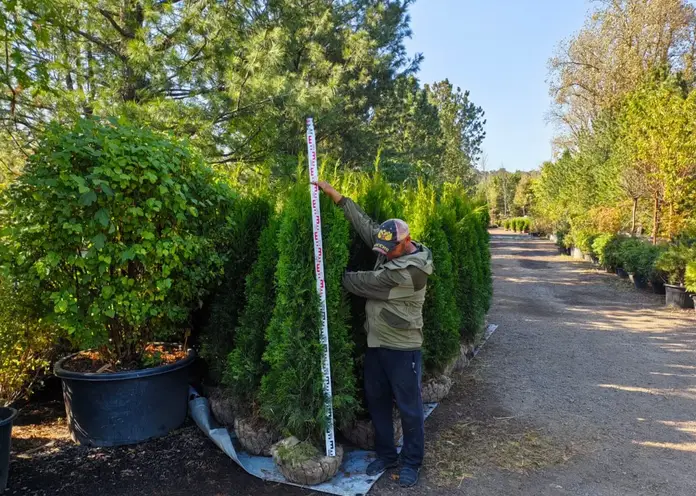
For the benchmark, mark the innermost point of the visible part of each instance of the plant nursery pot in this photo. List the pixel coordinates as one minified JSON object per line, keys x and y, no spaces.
{"x":638,"y":281}
{"x":676,"y":296}
{"x":658,"y":287}
{"x":577,"y":253}
{"x":7,"y":416}
{"x":621,"y":273}
{"x":113,"y":409}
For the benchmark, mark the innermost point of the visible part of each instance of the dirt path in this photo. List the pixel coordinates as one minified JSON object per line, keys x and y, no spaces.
{"x":600,"y":381}
{"x":587,"y":388}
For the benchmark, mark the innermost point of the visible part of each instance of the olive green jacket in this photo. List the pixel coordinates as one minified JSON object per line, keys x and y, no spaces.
{"x":395,"y":289}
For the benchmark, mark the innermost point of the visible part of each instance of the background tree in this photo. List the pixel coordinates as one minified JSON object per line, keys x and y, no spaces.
{"x":462,"y":125}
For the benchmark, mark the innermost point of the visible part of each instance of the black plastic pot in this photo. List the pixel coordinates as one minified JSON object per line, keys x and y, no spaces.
{"x":658,"y":287}
{"x":7,"y":416}
{"x":676,"y":296}
{"x":639,"y":282}
{"x":621,"y":273}
{"x":125,"y":407}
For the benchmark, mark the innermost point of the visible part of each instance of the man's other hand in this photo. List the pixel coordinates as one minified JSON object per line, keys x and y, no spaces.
{"x":329,"y":191}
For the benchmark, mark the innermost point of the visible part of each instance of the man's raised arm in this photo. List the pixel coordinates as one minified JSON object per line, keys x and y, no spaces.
{"x":366,"y":227}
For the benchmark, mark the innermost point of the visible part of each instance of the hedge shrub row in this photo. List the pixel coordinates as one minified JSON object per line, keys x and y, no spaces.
{"x":274,"y":364}
{"x":517,"y":224}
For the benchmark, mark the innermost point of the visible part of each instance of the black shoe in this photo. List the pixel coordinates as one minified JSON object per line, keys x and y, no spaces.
{"x":379,"y":466}
{"x":408,"y":477}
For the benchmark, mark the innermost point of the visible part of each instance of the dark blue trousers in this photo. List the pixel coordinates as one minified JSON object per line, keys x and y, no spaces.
{"x":396,"y":375}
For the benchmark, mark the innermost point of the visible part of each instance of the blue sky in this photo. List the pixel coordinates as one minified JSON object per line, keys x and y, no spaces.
{"x":498,"y":49}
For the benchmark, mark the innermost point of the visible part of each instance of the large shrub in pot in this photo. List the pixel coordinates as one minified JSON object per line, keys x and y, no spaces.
{"x":638,"y":257}
{"x":115,"y":228}
{"x":673,"y":262}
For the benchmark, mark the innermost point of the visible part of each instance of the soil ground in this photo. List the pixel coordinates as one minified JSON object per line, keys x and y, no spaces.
{"x":587,"y":388}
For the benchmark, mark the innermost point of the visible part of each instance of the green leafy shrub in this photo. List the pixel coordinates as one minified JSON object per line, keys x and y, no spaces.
{"x":26,"y":344}
{"x":291,"y":396}
{"x":583,"y":240}
{"x":245,"y":366}
{"x":638,"y":257}
{"x":606,"y":247}
{"x":672,"y":262}
{"x":115,"y":228}
{"x":243,"y":228}
{"x":690,"y":277}
{"x":507,"y":223}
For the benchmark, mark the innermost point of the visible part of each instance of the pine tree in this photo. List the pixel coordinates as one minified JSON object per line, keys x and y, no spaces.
{"x":291,"y":395}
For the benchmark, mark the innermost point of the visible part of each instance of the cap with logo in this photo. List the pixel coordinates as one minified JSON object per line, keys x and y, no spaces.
{"x":391,"y":233}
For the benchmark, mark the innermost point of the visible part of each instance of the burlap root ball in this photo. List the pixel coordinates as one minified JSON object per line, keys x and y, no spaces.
{"x":223,"y":406}
{"x":434,"y":390}
{"x":361,"y":433}
{"x":302,"y":463}
{"x":255,"y":436}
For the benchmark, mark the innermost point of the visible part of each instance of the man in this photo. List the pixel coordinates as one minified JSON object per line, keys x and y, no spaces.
{"x":395,"y":292}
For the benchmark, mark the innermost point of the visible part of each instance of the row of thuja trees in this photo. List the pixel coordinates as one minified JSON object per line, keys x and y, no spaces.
{"x":261,"y":337}
{"x":115,"y":237}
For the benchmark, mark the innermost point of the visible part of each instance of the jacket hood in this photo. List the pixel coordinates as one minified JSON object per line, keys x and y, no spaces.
{"x":422,"y":259}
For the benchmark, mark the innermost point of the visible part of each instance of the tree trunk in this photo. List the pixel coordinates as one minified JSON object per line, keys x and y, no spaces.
{"x":656,"y":219}
{"x":633,"y":217}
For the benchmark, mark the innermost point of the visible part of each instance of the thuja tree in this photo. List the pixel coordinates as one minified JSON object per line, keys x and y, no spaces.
{"x":114,"y":228}
{"x":245,"y":366}
{"x":291,"y":395}
{"x":459,"y":224}
{"x":242,"y":231}
{"x":483,"y":219}
{"x":440,"y":312}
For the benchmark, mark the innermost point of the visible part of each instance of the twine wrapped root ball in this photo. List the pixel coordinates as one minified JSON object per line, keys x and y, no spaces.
{"x":434,"y":390}
{"x":302,"y":463}
{"x":361,"y":433}
{"x":255,"y":436}
{"x":223,"y":406}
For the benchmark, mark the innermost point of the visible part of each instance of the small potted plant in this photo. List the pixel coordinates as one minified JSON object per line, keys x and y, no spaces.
{"x":673,"y":263}
{"x":115,"y":228}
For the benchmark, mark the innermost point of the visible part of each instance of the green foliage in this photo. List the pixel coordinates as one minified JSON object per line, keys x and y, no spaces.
{"x":440,"y":316}
{"x":26,"y":343}
{"x":638,"y":257}
{"x":245,"y":366}
{"x":583,"y":239}
{"x":690,"y":278}
{"x":672,"y":263}
{"x":606,"y":247}
{"x":291,"y":394}
{"x":243,"y":228}
{"x":114,"y":227}
{"x":238,"y":79}
{"x":519,"y":224}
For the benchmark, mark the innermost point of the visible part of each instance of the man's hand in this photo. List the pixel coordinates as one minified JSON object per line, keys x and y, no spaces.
{"x":329,"y":191}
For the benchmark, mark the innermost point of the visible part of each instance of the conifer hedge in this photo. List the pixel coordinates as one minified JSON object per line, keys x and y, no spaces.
{"x":275,"y":362}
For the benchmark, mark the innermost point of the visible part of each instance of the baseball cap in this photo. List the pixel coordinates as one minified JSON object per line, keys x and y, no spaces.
{"x":391,"y":233}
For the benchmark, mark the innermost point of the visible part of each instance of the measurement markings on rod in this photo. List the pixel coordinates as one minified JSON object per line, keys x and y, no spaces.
{"x":321,"y":288}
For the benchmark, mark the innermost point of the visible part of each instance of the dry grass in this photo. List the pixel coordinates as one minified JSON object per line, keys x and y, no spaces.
{"x":472,"y":446}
